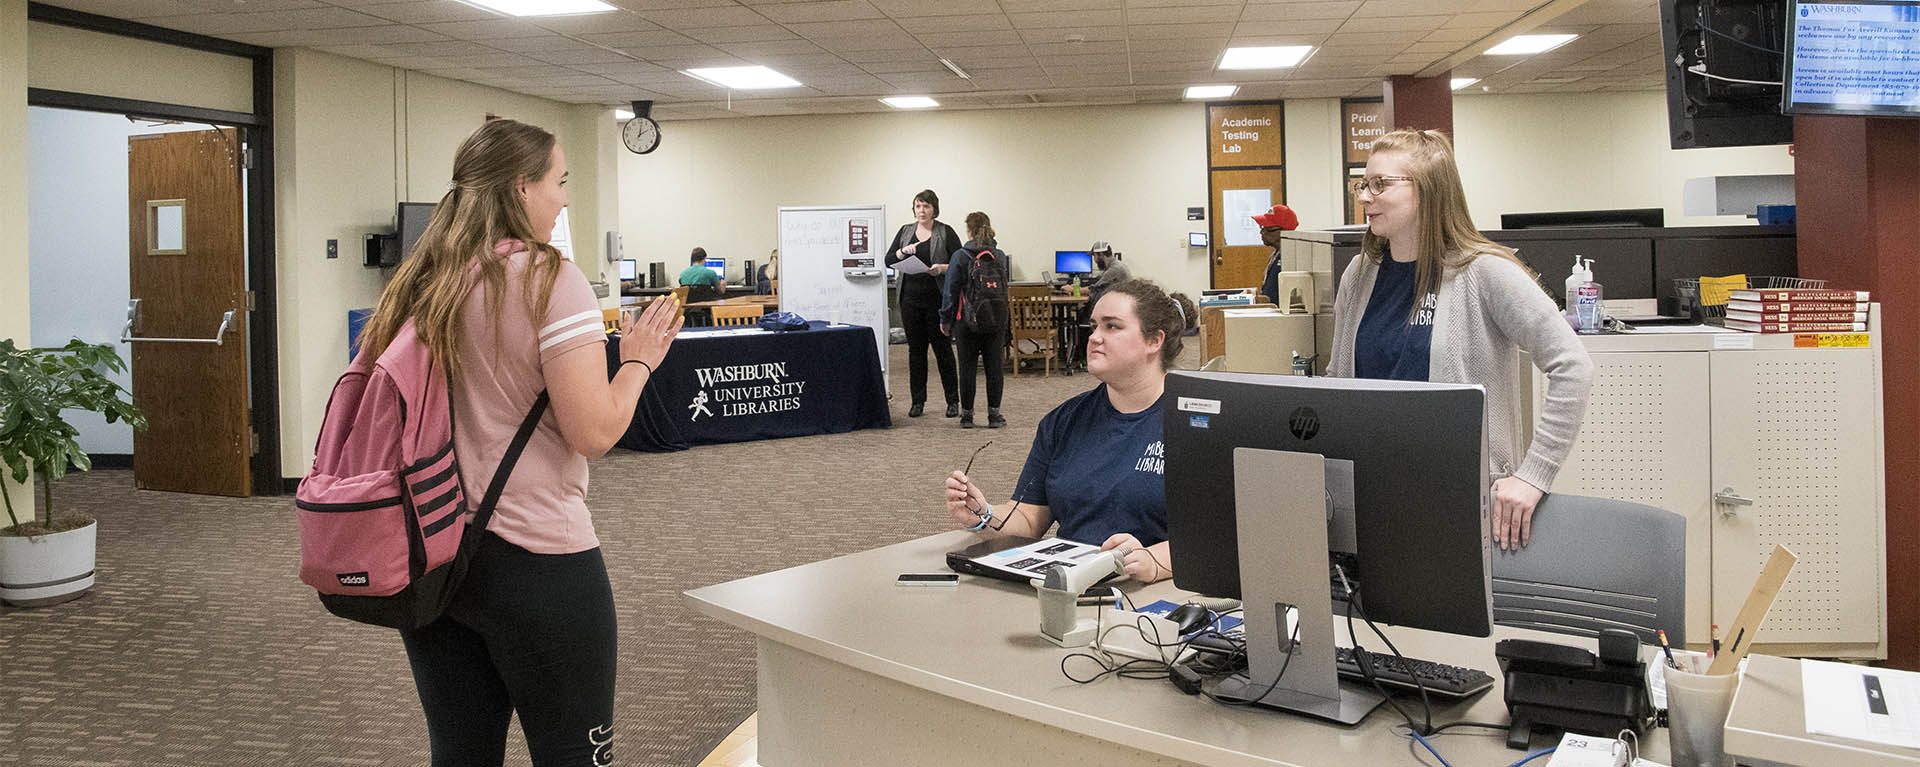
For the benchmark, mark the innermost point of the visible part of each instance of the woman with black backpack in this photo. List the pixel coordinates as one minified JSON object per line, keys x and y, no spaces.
{"x":974,"y":313}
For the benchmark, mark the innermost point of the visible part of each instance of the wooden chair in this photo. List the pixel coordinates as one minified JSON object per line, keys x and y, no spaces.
{"x":1028,"y":291}
{"x":737,"y":315}
{"x":611,"y":319}
{"x":681,"y":293}
{"x":1031,"y":333}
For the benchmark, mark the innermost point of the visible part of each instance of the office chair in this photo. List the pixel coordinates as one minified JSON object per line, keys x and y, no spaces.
{"x":1596,"y":563}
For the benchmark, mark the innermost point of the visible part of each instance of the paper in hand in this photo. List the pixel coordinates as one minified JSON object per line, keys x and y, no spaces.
{"x":912,"y":265}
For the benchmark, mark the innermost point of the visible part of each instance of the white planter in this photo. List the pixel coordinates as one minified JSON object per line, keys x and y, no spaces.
{"x":43,"y":570}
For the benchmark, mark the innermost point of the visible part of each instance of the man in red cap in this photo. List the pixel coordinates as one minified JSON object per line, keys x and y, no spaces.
{"x":1272,"y":223}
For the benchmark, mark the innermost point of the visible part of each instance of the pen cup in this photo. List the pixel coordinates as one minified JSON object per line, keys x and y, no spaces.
{"x":1697,"y":706}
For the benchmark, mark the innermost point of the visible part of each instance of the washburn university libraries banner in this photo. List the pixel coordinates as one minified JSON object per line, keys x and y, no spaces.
{"x":733,"y":387}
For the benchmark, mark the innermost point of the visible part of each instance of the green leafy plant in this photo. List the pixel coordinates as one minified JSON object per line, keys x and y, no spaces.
{"x":36,"y":386}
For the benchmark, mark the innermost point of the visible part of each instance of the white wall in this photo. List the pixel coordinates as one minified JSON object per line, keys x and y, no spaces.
{"x":1051,"y":179}
{"x":77,"y":241}
{"x":1521,"y":154}
{"x":83,"y":61}
{"x":352,"y":138}
{"x":1060,"y":178}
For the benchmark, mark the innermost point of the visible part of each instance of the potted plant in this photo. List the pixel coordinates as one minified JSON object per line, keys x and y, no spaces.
{"x":49,"y":559}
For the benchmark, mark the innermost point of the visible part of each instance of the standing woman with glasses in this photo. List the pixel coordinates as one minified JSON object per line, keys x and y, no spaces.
{"x":531,"y":630}
{"x":1096,"y":465}
{"x":932,"y":242}
{"x":1431,"y":299}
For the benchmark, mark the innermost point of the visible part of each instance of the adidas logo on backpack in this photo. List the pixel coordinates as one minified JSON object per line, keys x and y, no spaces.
{"x":381,"y":512}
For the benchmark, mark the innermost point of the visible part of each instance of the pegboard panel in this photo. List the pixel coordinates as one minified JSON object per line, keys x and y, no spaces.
{"x":1644,"y":437}
{"x":1799,"y":433}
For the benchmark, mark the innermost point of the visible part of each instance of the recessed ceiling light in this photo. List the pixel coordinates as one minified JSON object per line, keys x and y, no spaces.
{"x":622,"y":114}
{"x":743,"y":78}
{"x":1211,"y":91}
{"x":1523,"y":45}
{"x":543,"y":7}
{"x":910,"y":102}
{"x":1269,"y":57}
{"x":1462,"y":82}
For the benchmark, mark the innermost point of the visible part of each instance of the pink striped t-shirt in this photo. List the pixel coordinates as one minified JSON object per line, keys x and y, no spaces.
{"x":543,"y":508}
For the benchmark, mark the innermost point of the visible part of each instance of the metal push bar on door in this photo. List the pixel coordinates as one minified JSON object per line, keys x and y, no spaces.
{"x":133,"y":318}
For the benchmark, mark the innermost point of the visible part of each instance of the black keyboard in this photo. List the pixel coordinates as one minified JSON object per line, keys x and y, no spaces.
{"x":1439,"y":678}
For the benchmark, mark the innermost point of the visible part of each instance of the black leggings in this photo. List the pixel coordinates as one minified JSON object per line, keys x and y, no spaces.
{"x":922,"y":324}
{"x":527,"y":633}
{"x":986,"y":348}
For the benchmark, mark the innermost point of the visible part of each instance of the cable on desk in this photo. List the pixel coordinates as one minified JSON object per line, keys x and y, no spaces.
{"x":1436,"y":752}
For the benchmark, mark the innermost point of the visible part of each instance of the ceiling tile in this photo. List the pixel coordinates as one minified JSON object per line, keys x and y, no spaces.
{"x":992,"y":22}
{"x":545,"y":43}
{"x":1306,"y":27}
{"x":945,"y":40}
{"x":869,"y":29}
{"x":757,"y":33}
{"x":910,"y":8}
{"x":272,"y":21}
{"x":577,"y":57}
{"x":694,"y":18}
{"x":426,"y":13}
{"x":1176,"y":31}
{"x":587,"y":23}
{"x":1074,"y":35}
{"x":1051,"y":19}
{"x":1049,"y":6}
{"x":1185,"y":14}
{"x":347,"y":36}
{"x":825,"y":10}
{"x":1291,"y":12}
{"x":634,"y":41}
{"x":491,"y":29}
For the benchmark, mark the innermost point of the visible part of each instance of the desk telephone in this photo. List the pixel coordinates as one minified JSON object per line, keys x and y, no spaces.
{"x":1557,"y":686}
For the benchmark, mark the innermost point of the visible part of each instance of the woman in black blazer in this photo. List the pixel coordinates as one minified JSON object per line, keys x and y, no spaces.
{"x":920,"y":295}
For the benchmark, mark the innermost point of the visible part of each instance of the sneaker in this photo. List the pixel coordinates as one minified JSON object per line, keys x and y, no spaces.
{"x":994,"y":421}
{"x":916,"y":410}
{"x":953,"y":409}
{"x":966,"y":419}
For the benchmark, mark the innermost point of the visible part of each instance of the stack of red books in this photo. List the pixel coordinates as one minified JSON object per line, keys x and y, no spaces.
{"x":1797,"y":310}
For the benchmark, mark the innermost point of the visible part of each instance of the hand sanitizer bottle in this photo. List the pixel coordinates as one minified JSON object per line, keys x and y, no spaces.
{"x":1578,"y":276}
{"x":1587,"y":305}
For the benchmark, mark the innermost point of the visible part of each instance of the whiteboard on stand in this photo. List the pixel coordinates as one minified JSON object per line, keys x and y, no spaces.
{"x":831,"y":267}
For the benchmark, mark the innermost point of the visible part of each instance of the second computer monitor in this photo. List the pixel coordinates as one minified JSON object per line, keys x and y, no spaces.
{"x":719,"y":267}
{"x":629,"y":269}
{"x":1419,"y":474}
{"x":1072,"y":262}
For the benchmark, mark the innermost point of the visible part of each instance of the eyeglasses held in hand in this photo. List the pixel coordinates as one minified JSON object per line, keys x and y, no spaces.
{"x":1376,"y":184}
{"x":986,"y":515}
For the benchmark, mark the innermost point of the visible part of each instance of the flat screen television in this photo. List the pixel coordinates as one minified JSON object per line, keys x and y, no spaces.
{"x":1853,"y":58}
{"x":1723,"y":65}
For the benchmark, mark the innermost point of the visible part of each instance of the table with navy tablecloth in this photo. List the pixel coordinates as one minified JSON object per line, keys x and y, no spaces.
{"x":738,"y":384}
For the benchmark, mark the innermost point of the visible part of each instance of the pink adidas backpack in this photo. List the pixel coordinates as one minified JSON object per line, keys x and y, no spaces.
{"x":381,"y":513}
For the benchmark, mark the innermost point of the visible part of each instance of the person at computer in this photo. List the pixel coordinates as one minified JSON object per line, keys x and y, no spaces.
{"x":769,"y":271}
{"x":1108,"y":271}
{"x":1431,"y":299}
{"x":1096,"y":462}
{"x":933,"y":242}
{"x":704,"y":284}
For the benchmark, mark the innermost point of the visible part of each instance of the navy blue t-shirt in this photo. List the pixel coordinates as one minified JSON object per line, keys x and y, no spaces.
{"x":1099,"y":470}
{"x":1387,"y":345}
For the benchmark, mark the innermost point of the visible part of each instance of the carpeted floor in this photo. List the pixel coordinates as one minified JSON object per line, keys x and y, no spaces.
{"x":200,"y":646}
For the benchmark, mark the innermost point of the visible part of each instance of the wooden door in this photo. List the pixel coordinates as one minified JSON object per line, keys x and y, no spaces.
{"x":1241,"y":266}
{"x":188,"y":269}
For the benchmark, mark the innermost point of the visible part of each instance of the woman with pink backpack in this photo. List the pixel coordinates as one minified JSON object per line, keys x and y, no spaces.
{"x":530,"y":630}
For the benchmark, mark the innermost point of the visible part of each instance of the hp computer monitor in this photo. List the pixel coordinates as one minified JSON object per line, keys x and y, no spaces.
{"x":1419,"y":478}
{"x":629,"y":269}
{"x":719,"y":267}
{"x":1072,"y":262}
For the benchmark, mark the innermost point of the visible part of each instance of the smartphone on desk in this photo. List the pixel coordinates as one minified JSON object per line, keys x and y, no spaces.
{"x":926,"y":579}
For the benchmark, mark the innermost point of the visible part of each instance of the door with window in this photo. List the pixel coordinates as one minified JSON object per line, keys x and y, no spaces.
{"x":1245,"y":177}
{"x":186,"y":324}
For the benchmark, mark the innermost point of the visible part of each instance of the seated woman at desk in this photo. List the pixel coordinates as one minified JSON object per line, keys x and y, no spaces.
{"x":1095,"y":464}
{"x":1431,"y":299}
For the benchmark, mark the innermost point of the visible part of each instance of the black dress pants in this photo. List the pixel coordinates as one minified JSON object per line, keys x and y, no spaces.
{"x":985,"y":348}
{"x":922,"y":324}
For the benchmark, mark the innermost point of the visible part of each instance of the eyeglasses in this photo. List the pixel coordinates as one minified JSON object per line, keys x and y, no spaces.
{"x":1376,"y":184}
{"x":986,"y":515}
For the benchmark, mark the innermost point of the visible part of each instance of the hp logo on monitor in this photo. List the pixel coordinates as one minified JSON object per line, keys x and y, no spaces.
{"x":1304,"y":423}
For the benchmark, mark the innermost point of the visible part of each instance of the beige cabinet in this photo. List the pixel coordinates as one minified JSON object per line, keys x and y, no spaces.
{"x":1756,"y":441}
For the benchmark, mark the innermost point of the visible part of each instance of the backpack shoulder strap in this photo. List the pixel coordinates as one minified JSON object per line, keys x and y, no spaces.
{"x":484,"y":512}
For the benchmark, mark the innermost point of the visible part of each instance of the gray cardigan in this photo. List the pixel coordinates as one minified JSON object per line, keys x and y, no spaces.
{"x":1489,"y":312}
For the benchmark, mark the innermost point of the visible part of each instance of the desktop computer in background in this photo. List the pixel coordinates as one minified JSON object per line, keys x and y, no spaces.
{"x":719,"y":267}
{"x":657,"y":275}
{"x":1406,"y":460}
{"x":1072,"y":263}
{"x":629,"y":270}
